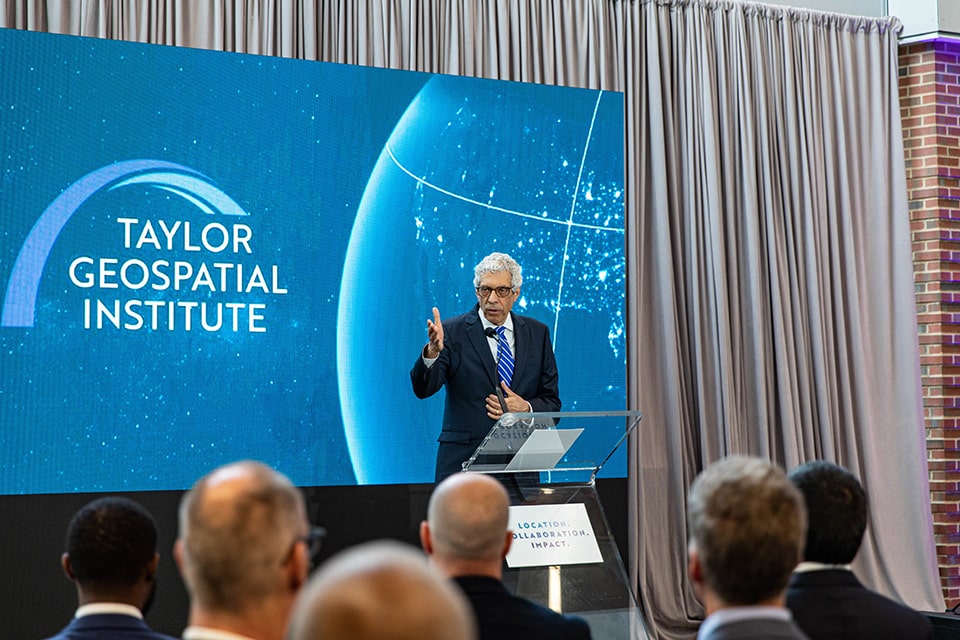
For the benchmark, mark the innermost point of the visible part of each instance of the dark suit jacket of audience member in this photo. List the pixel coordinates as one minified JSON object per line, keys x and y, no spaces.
{"x":504,"y":616}
{"x":109,"y":626}
{"x":832,"y":603}
{"x":755,"y":629}
{"x":467,"y":369}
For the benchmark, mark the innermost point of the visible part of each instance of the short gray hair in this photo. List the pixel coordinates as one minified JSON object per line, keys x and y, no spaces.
{"x":748,"y":525}
{"x":236,"y":523}
{"x":497,"y":263}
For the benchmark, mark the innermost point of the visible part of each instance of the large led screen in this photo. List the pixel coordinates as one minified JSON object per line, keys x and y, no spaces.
{"x":208,"y":256}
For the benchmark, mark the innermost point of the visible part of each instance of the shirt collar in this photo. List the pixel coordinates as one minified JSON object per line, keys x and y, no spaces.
{"x":486,"y":323}
{"x":735,"y":614}
{"x":206,"y":633}
{"x":98,"y":608}
{"x":807,"y":566}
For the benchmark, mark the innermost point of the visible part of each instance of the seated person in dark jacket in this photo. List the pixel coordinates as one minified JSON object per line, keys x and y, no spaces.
{"x":746,"y":526}
{"x":112,"y":559}
{"x":466,"y":537}
{"x":826,"y":598}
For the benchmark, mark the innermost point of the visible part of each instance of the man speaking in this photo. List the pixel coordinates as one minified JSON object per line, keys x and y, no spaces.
{"x":484,"y":350}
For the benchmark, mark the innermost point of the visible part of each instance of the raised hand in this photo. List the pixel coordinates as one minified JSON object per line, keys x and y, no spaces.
{"x":435,"y":336}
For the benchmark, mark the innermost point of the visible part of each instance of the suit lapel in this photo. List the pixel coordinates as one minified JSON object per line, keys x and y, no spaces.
{"x":474,"y":330}
{"x":521,"y":345}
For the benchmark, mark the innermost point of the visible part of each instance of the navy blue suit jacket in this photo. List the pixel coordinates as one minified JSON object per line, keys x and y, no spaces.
{"x":109,"y":626}
{"x":832,"y":603}
{"x":504,"y":616}
{"x":468,"y":371}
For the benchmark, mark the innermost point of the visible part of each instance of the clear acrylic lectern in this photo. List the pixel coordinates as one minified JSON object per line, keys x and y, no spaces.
{"x":564,"y":554}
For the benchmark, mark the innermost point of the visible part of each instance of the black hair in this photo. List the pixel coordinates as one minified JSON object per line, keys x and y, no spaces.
{"x":836,"y":511}
{"x":110,"y":542}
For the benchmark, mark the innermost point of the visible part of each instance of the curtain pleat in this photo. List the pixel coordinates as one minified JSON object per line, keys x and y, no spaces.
{"x":775,"y":285}
{"x":770,"y":304}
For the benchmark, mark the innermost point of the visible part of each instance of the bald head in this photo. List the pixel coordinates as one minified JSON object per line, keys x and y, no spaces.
{"x":238,"y":529}
{"x":467,"y":522}
{"x":381,"y":591}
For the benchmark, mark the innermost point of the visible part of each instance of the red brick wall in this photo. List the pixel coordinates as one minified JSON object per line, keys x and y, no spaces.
{"x":930,"y":107}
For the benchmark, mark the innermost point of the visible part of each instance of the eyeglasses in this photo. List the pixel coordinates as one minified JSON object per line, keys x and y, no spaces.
{"x":502,"y":292}
{"x":312,"y":539}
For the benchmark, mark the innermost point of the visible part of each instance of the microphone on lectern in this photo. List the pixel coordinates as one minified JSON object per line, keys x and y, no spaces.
{"x":492,"y":333}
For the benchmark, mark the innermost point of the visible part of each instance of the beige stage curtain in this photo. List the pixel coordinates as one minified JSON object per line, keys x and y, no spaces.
{"x":775,"y":312}
{"x":770,"y":292}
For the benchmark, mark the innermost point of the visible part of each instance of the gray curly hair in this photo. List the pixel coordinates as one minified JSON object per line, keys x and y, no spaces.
{"x":495,"y":263}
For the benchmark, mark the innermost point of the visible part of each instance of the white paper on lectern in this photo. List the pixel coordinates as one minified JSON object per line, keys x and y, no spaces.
{"x":543,"y":449}
{"x":552,"y":534}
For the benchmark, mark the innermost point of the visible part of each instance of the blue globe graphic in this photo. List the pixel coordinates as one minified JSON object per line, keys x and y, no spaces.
{"x":474,"y":167}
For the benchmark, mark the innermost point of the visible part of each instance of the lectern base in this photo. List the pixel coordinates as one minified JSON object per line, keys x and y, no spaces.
{"x":599,"y":592}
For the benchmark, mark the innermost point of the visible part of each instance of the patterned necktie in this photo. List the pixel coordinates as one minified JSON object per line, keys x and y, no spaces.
{"x":504,"y":356}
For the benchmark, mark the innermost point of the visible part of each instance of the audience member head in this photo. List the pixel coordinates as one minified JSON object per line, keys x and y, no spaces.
{"x":747,"y":525}
{"x":381,"y":591}
{"x":242,"y":549}
{"x":111,"y":552}
{"x":836,"y":511}
{"x":465,"y":532}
